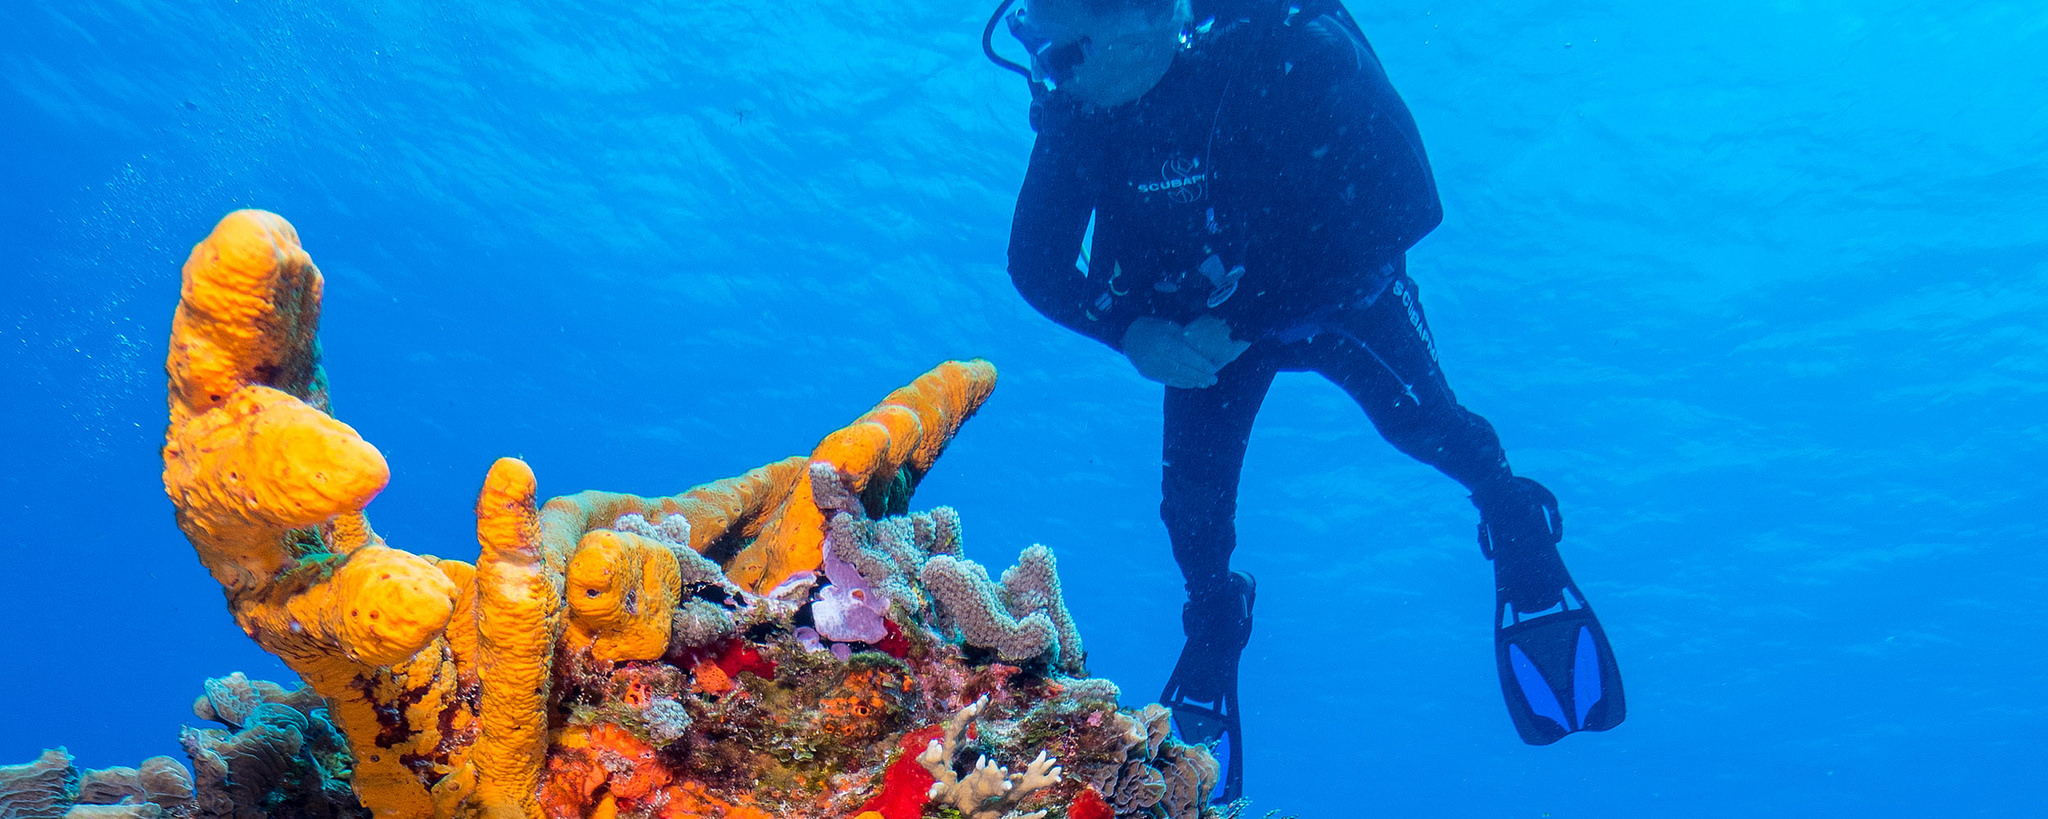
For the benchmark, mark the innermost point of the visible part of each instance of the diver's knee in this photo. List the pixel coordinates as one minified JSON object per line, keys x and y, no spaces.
{"x":1446,"y":432}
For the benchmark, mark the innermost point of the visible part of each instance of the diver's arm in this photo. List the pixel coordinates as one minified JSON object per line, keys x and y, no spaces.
{"x":1045,"y":240}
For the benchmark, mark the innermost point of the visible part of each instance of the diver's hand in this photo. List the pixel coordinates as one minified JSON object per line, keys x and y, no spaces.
{"x":1210,"y":336}
{"x":1185,"y":357}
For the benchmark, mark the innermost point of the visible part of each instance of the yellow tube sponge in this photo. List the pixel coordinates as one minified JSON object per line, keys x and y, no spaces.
{"x":394,"y":730}
{"x":730,"y":510}
{"x":461,"y":631}
{"x":385,"y":605}
{"x":723,"y":514}
{"x":248,"y":311}
{"x":270,"y":490}
{"x":261,"y":464}
{"x":622,"y":591}
{"x":519,"y":615}
{"x":899,"y":439}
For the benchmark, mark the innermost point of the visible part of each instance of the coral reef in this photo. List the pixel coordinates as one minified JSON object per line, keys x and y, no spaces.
{"x":790,"y":642}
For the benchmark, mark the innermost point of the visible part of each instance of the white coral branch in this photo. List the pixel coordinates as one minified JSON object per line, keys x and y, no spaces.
{"x":1042,"y":772}
{"x":989,"y":791}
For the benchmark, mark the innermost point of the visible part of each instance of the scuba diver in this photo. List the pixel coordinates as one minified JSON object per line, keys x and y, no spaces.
{"x":1249,"y":183}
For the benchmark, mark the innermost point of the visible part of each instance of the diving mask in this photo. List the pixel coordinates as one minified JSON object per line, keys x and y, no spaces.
{"x":1051,"y":61}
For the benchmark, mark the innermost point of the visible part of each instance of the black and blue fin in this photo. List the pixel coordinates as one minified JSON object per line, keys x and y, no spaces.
{"x":1556,"y":670}
{"x":1214,"y":724}
{"x":1202,"y":691}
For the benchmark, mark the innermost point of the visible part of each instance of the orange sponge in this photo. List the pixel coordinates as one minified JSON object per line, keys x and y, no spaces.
{"x":519,"y":616}
{"x":270,"y":490}
{"x":622,"y":591}
{"x":902,"y":436}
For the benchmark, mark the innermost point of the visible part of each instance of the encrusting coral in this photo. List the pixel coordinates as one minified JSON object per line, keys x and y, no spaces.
{"x":277,"y":758}
{"x":790,"y":642}
{"x":53,"y":788}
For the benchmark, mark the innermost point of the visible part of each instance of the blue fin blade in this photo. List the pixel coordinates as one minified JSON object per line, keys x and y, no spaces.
{"x":1536,"y":690}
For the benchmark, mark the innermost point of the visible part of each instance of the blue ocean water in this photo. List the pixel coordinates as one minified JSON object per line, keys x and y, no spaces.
{"x":1757,"y":287}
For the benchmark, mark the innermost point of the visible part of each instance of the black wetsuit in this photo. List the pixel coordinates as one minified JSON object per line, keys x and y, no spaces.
{"x":1281,"y":149}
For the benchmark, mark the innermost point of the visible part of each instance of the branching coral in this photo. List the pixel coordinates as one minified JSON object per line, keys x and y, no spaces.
{"x":989,"y":791}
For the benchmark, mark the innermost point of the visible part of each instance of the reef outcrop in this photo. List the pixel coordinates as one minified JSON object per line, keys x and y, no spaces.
{"x":790,"y":642}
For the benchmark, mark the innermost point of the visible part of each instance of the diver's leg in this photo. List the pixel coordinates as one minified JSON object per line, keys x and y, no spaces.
{"x":1556,"y":670}
{"x":1386,"y":361}
{"x":1207,"y":431}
